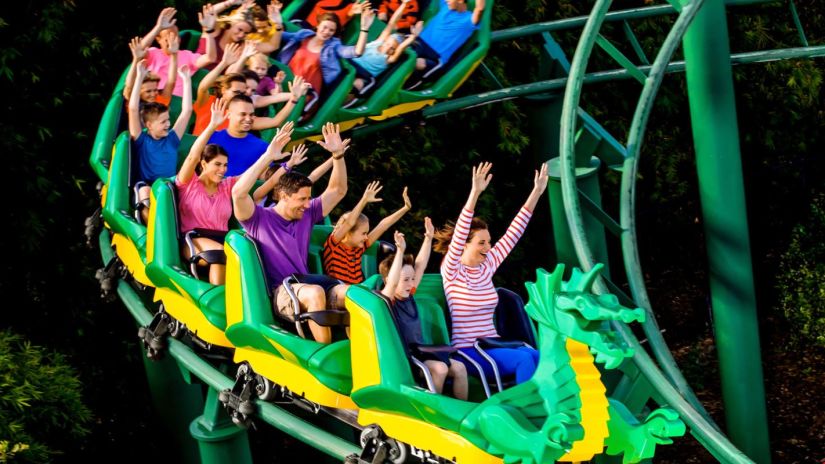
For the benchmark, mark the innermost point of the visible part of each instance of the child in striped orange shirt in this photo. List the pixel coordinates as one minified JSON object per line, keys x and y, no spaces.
{"x":352,"y":236}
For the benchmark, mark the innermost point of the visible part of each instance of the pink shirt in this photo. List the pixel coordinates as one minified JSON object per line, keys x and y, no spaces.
{"x":199,"y":209}
{"x":158,"y":63}
{"x":471,"y":295}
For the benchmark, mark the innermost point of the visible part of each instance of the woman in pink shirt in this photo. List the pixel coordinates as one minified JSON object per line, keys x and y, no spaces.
{"x":205,"y":195}
{"x":467,"y":270}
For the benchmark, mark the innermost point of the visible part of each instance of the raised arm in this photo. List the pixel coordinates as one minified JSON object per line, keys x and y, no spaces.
{"x":337,"y":187}
{"x":187,"y":170}
{"x":478,"y":10}
{"x":230,"y":55}
{"x":388,"y":221}
{"x":207,"y":18}
{"x":394,"y":274}
{"x":248,"y":50}
{"x":508,"y":241}
{"x":135,"y":128}
{"x":172,"y":72}
{"x":481,"y":179}
{"x":138,"y":53}
{"x":399,"y":12}
{"x":319,"y":172}
{"x":297,"y":157}
{"x":166,"y":19}
{"x":399,"y":50}
{"x":370,"y":196}
{"x":186,"y":101}
{"x":242,"y":202}
{"x":424,"y":253}
{"x":297,"y":88}
{"x":367,"y":17}
{"x":273,"y":11}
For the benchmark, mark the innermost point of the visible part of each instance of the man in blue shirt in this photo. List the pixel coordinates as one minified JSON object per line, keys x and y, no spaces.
{"x":446,"y":32}
{"x":243,"y":147}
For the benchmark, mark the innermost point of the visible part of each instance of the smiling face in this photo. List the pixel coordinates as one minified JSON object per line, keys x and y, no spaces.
{"x":149,"y":91}
{"x":292,"y":207}
{"x":241,"y":115}
{"x":388,"y":46}
{"x":237,"y":32}
{"x":259,"y":67}
{"x":157,"y":126}
{"x":357,"y":236}
{"x":477,"y":247}
{"x":326,"y":30}
{"x":406,"y":283}
{"x":214,"y":170}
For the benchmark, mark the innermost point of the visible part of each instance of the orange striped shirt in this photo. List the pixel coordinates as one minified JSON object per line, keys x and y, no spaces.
{"x":471,"y":295}
{"x":343,"y":262}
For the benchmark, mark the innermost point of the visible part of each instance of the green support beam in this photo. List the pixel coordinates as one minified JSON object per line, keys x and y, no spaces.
{"x":719,"y":166}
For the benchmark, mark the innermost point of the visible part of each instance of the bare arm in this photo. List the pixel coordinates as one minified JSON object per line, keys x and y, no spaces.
{"x":135,"y":127}
{"x":337,"y":187}
{"x":297,"y":89}
{"x":172,"y":73}
{"x":207,"y":18}
{"x":187,"y":170}
{"x":297,"y":157}
{"x":319,"y":172}
{"x":388,"y":221}
{"x":249,"y":49}
{"x":219,"y":8}
{"x":186,"y":102}
{"x":539,"y":185}
{"x":424,"y":253}
{"x":370,"y":196}
{"x":230,"y":55}
{"x":399,"y":50}
{"x":242,"y":202}
{"x":367,"y":17}
{"x":273,"y":11}
{"x":138,"y":53}
{"x":166,"y":19}
{"x":394,"y":275}
{"x":478,"y":10}
{"x":393,"y":20}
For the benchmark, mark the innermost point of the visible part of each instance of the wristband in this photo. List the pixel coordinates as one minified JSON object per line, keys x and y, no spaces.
{"x":338,"y":157}
{"x":364,"y":30}
{"x":286,"y":167}
{"x":208,"y":31}
{"x":294,"y":102}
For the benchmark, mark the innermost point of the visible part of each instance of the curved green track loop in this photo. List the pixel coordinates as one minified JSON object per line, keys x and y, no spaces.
{"x":673,"y":388}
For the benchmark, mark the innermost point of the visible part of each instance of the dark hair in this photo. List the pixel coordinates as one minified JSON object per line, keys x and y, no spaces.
{"x":291,"y":182}
{"x":386,"y":264}
{"x":210,"y":152}
{"x":152,"y":110}
{"x":444,"y":236}
{"x":250,"y":74}
{"x":226,"y":80}
{"x":329,"y":17}
{"x":240,"y":97}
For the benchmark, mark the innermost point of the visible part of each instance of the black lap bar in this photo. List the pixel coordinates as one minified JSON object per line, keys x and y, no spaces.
{"x":499,"y":343}
{"x":327,"y":318}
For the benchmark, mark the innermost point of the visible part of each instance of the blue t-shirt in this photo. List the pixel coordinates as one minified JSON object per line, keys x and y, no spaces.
{"x":243,"y":152}
{"x":447,"y":31}
{"x":372,"y":60}
{"x":157,"y":157}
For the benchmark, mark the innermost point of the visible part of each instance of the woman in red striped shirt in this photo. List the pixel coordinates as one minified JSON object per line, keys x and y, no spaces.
{"x":467,"y":270}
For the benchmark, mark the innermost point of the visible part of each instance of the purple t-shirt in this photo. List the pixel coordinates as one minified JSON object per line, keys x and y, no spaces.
{"x":284,"y":245}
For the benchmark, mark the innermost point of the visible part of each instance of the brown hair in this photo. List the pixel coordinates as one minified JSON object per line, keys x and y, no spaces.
{"x":210,"y":152}
{"x":444,"y":236}
{"x":329,"y":17}
{"x":225,"y":81}
{"x":152,"y":110}
{"x":150,"y":77}
{"x":386,"y":264}
{"x":291,"y":182}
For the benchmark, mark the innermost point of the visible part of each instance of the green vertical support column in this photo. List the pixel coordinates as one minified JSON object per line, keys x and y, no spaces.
{"x":719,"y":166}
{"x":219,"y":439}
{"x":587,"y":180}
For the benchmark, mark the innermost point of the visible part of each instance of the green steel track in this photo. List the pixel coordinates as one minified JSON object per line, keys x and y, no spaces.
{"x":666,"y":381}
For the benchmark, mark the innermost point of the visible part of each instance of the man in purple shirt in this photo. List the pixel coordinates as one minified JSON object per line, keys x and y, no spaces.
{"x":283,"y":231}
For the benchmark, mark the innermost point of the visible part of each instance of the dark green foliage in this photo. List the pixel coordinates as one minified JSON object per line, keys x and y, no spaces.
{"x":801,"y":277}
{"x":41,"y":410}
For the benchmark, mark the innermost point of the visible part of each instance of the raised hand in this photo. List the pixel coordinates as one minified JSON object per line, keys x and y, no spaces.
{"x":219,"y":107}
{"x":332,"y":140}
{"x":417,"y":28}
{"x":429,"y":229}
{"x":400,"y":243}
{"x":297,"y":157}
{"x":371,"y":192}
{"x":249,"y":49}
{"x":481,"y":177}
{"x":166,"y":18}
{"x":273,"y":11}
{"x":298,"y":87}
{"x":231,"y":54}
{"x":279,"y":78}
{"x":141,"y":70}
{"x":407,"y":202}
{"x":173,"y":43}
{"x":359,"y":7}
{"x":185,"y":74}
{"x":207,"y":17}
{"x":367,"y":17}
{"x":281,"y":139}
{"x":138,"y":52}
{"x":540,"y":179}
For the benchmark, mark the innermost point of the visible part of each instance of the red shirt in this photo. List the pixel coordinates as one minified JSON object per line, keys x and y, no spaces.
{"x":307,"y":65}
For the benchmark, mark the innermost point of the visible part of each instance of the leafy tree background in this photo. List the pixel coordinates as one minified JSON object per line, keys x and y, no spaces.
{"x":58,"y":67}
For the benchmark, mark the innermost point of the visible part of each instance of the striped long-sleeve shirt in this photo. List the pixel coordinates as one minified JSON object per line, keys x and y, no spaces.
{"x":470,"y":293}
